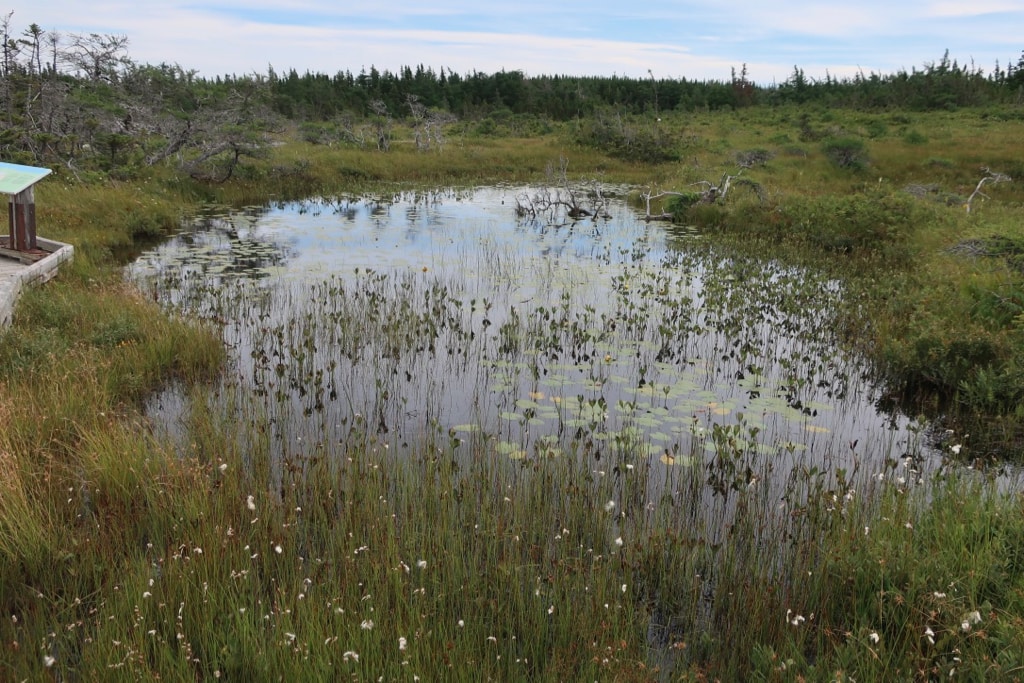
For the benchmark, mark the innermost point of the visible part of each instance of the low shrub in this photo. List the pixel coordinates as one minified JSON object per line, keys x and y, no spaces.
{"x":678,"y":205}
{"x":625,"y":138}
{"x":877,"y":221}
{"x":914,"y":137}
{"x":846,"y":152}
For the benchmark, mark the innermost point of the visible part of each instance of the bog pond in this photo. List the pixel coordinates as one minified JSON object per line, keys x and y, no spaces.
{"x":447,"y":317}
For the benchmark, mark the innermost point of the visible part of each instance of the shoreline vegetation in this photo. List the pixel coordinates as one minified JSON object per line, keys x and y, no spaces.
{"x":125,"y":557}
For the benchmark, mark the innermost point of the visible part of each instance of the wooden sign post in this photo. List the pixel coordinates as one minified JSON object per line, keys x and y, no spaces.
{"x":23,"y":221}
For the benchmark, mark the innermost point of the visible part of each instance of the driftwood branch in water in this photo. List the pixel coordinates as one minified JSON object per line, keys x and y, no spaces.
{"x":562,"y":198}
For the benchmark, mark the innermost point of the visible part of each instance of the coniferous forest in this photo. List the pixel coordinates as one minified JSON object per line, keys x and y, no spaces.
{"x":83,"y":101}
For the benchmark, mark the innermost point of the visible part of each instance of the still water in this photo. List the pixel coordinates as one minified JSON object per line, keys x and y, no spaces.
{"x":447,"y":316}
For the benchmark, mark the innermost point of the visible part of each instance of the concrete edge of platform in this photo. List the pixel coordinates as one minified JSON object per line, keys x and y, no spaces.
{"x":36,"y":273}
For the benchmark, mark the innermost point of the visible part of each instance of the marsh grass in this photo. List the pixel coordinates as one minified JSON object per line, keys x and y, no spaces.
{"x":201,"y":562}
{"x":946,"y":325}
{"x":125,"y":555}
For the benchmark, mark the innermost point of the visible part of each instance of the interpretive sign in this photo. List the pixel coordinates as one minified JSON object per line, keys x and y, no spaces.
{"x":17,"y":181}
{"x":14,"y":178}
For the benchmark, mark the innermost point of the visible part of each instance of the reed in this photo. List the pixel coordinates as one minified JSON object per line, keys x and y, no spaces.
{"x":236,"y":548}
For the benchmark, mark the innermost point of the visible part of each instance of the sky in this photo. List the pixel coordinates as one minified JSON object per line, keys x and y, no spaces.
{"x":684,"y":39}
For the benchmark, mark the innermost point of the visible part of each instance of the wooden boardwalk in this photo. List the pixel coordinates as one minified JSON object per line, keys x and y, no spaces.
{"x":15,"y":275}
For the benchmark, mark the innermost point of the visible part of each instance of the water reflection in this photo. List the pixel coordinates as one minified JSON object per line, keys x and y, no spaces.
{"x":440,"y":316}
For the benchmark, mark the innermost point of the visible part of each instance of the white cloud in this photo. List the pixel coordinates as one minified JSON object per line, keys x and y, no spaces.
{"x":974,"y":8}
{"x":599,"y":37}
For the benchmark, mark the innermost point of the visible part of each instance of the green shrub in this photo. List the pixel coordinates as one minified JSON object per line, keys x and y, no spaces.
{"x":625,"y":138}
{"x":913,"y":137}
{"x":706,"y":215}
{"x":876,"y":129}
{"x":853,"y":222}
{"x":679,"y":204}
{"x":846,"y":152}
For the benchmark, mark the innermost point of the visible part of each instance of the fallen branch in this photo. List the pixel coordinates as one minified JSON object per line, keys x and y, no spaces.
{"x":711,"y":194}
{"x":649,"y":195}
{"x":990,"y":177}
{"x":573,"y":200}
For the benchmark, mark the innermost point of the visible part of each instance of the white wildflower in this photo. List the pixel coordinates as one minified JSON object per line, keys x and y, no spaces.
{"x":929,"y":634}
{"x":223,"y":467}
{"x":956,"y":448}
{"x":278,"y":549}
{"x":349,"y":654}
{"x":49,"y":661}
{"x":401,"y":644}
{"x":969,"y":620}
{"x":367,"y":625}
{"x":609,"y":506}
{"x":874,"y":637}
{"x":422,"y":564}
{"x":250,"y":503}
{"x":618,"y":541}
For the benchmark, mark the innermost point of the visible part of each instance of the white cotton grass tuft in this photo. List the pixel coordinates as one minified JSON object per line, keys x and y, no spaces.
{"x":969,"y":620}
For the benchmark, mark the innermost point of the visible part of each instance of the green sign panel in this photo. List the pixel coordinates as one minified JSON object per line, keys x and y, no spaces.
{"x":15,"y":178}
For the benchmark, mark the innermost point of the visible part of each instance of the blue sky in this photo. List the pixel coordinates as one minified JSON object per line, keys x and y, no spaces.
{"x":695,"y":40}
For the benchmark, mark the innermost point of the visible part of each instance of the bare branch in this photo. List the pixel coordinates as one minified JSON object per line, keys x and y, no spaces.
{"x":990,"y":177}
{"x":98,"y":56}
{"x":565,"y":200}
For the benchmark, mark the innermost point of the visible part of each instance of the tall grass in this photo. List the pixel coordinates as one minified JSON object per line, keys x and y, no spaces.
{"x":124,"y":555}
{"x":362,"y":562}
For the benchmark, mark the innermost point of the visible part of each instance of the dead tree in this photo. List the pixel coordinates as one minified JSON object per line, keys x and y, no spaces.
{"x":382,"y":124}
{"x":98,"y":56}
{"x":351,"y":131}
{"x":990,"y":177}
{"x":562,"y":199}
{"x":427,"y":125}
{"x":649,"y":196}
